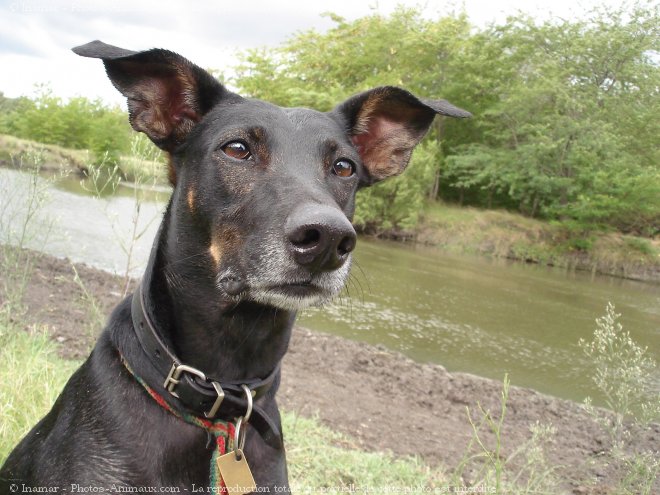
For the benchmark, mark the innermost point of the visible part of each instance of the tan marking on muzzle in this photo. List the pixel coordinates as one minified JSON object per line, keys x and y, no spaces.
{"x":215,"y":250}
{"x":225,"y":242}
{"x":191,"y":199}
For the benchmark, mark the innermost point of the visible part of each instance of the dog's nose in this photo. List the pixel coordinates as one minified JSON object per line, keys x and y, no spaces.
{"x":320,"y":237}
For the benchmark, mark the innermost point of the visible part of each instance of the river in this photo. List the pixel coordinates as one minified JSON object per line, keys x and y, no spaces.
{"x":487,"y":317}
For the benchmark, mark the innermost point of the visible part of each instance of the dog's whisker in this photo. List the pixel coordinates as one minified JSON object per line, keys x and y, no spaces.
{"x":364,"y":275}
{"x":355,"y":282}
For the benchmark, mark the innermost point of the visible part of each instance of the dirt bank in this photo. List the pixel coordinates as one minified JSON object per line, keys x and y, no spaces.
{"x":504,"y":234}
{"x":380,"y":399}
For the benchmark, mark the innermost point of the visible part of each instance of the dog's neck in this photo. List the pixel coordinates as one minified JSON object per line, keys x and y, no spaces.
{"x":225,"y":339}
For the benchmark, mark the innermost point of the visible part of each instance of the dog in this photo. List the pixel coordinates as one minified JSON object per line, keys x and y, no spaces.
{"x":179,"y":390}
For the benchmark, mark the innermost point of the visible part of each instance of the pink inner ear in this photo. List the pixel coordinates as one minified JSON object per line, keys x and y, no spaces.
{"x":177,"y":99}
{"x":163,"y":108}
{"x":378,"y":128}
{"x":385,"y":140}
{"x":182,"y":112}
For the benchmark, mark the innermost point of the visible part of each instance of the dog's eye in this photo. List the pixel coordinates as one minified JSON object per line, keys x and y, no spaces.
{"x":237,"y":150}
{"x":343,"y":168}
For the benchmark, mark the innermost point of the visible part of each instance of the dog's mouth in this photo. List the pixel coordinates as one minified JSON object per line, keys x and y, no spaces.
{"x":297,"y":289}
{"x":297,"y":293}
{"x":291,"y":295}
{"x":289,"y":289}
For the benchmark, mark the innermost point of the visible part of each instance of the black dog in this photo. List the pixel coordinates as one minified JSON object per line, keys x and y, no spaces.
{"x":257,"y":227}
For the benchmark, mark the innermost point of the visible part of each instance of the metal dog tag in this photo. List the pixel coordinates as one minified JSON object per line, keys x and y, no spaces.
{"x":236,"y":473}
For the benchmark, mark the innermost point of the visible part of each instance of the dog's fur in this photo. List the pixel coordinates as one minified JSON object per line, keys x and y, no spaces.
{"x":246,"y":240}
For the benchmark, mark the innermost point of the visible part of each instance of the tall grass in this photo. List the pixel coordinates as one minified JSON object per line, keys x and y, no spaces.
{"x":627,"y":377}
{"x":22,"y":220}
{"x":106,"y":179}
{"x":526,"y":470}
{"x":623,"y":372}
{"x":31,"y":378}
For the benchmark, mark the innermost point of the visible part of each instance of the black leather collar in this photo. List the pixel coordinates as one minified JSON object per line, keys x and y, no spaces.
{"x":197,"y":393}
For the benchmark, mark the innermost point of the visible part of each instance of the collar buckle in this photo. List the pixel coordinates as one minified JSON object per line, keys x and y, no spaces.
{"x":173,"y":376}
{"x":173,"y":379}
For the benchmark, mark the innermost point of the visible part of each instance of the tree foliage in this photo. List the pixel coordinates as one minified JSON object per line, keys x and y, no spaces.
{"x":77,"y":123}
{"x":571,"y":134}
{"x":564,"y":123}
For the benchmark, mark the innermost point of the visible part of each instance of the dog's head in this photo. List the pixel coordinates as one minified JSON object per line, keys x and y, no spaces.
{"x":265,"y":194}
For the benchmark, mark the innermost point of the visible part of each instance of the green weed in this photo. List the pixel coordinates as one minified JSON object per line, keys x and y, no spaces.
{"x":625,"y":375}
{"x":95,"y":316}
{"x":525,"y":471}
{"x":23,"y":201}
{"x":323,"y":460}
{"x":641,"y":245}
{"x":31,"y":378}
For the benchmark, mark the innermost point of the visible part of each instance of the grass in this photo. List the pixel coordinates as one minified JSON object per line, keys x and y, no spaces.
{"x":12,"y":148}
{"x":503,"y":234}
{"x":65,"y":160}
{"x":147,"y":170}
{"x":31,"y":366}
{"x":625,"y":375}
{"x":323,"y":460}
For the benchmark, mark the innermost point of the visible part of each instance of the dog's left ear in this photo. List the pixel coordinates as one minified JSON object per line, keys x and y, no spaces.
{"x":386,"y":123}
{"x":167,"y":94}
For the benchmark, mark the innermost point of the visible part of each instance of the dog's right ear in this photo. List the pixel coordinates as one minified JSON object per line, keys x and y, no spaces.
{"x":167,"y":94}
{"x":386,"y":123}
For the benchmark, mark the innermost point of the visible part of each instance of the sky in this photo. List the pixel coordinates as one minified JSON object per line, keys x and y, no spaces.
{"x":36,"y":35}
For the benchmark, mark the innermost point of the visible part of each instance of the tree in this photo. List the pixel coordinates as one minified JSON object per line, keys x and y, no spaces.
{"x":78,"y":123}
{"x":570,"y":131}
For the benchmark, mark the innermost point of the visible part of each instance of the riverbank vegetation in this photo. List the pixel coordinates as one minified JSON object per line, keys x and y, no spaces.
{"x":79,"y":123}
{"x":508,"y":235}
{"x":143,"y":162}
{"x":559,"y":164}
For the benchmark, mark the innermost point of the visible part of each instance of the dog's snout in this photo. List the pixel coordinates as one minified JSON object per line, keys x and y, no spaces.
{"x":320,"y":237}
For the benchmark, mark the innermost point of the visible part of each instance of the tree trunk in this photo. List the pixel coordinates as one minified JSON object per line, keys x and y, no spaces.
{"x":435,"y":190}
{"x":535,"y":206}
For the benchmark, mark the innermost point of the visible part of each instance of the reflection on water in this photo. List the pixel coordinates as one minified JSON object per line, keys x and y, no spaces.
{"x":468,"y":314}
